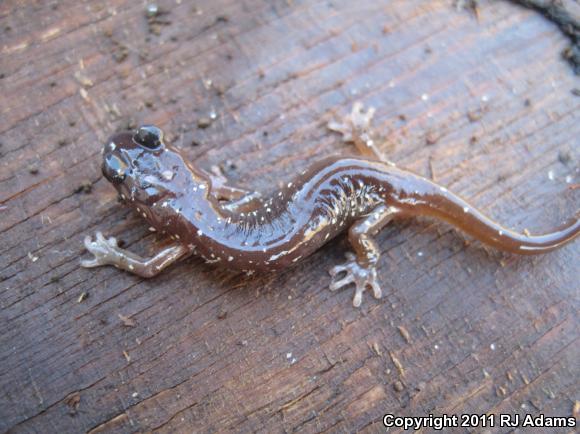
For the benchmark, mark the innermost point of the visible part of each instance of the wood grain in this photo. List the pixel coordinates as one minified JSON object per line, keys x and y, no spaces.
{"x":482,"y":103}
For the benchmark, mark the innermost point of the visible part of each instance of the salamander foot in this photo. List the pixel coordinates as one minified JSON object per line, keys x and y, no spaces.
{"x":362,"y":277}
{"x":105,"y":251}
{"x":355,"y":124}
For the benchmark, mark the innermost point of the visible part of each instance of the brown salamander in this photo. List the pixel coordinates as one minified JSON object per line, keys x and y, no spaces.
{"x":242,"y":230}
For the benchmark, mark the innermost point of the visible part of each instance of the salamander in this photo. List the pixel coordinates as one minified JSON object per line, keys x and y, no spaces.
{"x":202,"y":214}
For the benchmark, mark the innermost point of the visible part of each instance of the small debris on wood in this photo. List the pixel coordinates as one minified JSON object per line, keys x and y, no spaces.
{"x":72,"y":401}
{"x":432,"y":175}
{"x":127,"y":322}
{"x":120,"y":52}
{"x":127,"y":356}
{"x":155,"y":18}
{"x":85,"y":187}
{"x":404,"y":333}
{"x":64,"y":142}
{"x":203,"y":122}
{"x":576,"y":409}
{"x":32,"y":257}
{"x":33,"y":169}
{"x":474,"y":115}
{"x":82,"y":297}
{"x":222,"y":314}
{"x":227,"y":167}
{"x":468,"y":5}
{"x":84,"y":94}
{"x":431,"y":138}
{"x":376,"y":349}
{"x":564,"y":157}
{"x":397,"y":363}
{"x":398,"y":386}
{"x":83,"y":79}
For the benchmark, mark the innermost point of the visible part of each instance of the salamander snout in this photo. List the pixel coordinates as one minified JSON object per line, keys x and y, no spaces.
{"x":114,"y":169}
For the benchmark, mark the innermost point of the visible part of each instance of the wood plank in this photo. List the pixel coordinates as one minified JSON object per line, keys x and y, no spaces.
{"x":482,"y":103}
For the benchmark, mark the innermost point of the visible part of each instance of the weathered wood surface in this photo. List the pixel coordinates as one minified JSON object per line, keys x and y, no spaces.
{"x":483,"y":103}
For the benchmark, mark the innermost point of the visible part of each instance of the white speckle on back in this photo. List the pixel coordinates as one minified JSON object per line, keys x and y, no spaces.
{"x":168,"y":175}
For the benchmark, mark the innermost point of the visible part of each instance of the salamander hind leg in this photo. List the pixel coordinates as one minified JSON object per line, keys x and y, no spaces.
{"x":356,"y":128}
{"x":360,"y":268}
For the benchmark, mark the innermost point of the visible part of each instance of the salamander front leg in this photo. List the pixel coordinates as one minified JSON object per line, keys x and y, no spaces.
{"x":360,"y":268}
{"x":107,"y":252}
{"x":233,"y":199}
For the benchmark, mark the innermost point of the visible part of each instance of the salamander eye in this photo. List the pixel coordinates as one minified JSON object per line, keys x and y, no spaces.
{"x":149,"y":136}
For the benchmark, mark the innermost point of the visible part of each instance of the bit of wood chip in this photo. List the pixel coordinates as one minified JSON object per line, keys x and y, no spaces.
{"x":576,"y":409}
{"x":398,"y":386}
{"x":525,"y":379}
{"x":84,"y":94}
{"x":83,"y":80}
{"x":127,"y":322}
{"x":203,"y":122}
{"x":474,"y":115}
{"x":85,"y":187}
{"x":397,"y":363}
{"x":127,"y":356}
{"x":83,"y":297}
{"x":431,"y":138}
{"x":73,"y":400}
{"x":405,"y":333}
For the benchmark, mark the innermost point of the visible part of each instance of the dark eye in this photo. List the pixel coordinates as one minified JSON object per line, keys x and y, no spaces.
{"x":149,"y":136}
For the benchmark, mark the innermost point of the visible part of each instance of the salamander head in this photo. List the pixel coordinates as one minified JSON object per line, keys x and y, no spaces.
{"x":144,"y":169}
